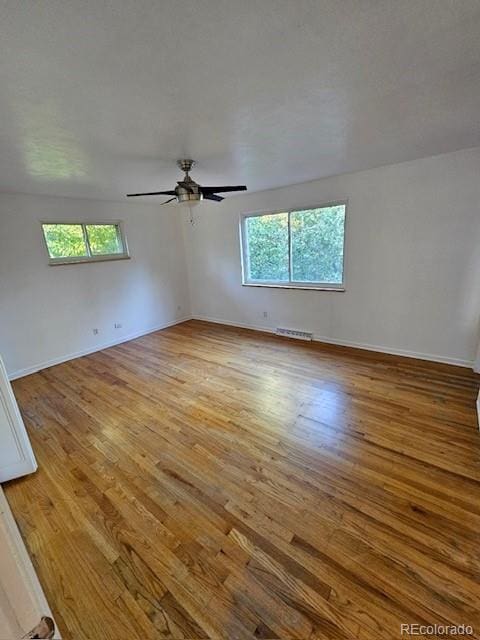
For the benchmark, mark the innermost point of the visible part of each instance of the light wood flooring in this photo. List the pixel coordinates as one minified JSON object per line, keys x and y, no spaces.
{"x":211,"y":482}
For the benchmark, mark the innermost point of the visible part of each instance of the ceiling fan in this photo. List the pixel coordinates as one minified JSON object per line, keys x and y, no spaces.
{"x":187,"y":190}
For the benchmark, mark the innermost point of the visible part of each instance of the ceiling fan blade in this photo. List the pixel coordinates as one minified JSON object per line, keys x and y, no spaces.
{"x":212,"y":196}
{"x":152,"y":193}
{"x":239,"y":187}
{"x":167,"y":201}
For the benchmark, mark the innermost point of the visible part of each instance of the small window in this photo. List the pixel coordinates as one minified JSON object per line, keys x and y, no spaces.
{"x":302,"y":248}
{"x":84,"y":242}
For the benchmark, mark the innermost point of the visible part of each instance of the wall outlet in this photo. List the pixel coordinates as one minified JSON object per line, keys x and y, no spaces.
{"x":265,"y":314}
{"x":179,"y":308}
{"x":118,"y":325}
{"x":95,"y":332}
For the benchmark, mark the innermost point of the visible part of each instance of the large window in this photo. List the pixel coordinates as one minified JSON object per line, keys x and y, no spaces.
{"x":302,"y":248}
{"x":84,"y":242}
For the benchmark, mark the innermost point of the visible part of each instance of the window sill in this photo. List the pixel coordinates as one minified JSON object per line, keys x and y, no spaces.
{"x":294,"y":286}
{"x":55,"y":263}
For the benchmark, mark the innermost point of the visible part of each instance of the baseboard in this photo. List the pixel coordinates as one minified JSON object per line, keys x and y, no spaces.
{"x":85,"y":352}
{"x":417,"y":355}
{"x":317,"y":338}
{"x":478,"y":410}
{"x":476,"y":368}
{"x":348,"y":343}
{"x":239,"y":325}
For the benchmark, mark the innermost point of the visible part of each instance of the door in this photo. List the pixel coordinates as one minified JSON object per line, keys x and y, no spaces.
{"x":16,"y":455}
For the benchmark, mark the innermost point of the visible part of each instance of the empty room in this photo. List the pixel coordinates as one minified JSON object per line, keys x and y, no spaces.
{"x":239,"y":319}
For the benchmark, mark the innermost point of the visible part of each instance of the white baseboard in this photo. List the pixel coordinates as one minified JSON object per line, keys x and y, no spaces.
{"x":476,"y":368}
{"x":317,"y":338}
{"x":478,"y":410}
{"x":85,"y":352}
{"x":239,"y":325}
{"x":348,"y":343}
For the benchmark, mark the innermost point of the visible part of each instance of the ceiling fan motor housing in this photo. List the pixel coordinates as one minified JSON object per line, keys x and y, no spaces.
{"x":188,"y":190}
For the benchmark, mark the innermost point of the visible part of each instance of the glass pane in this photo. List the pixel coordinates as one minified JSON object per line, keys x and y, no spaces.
{"x":317,"y":237}
{"x":65,"y":240}
{"x":267,"y":246}
{"x":104,"y":239}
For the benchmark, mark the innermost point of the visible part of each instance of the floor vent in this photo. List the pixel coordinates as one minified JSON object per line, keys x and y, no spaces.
{"x":291,"y":333}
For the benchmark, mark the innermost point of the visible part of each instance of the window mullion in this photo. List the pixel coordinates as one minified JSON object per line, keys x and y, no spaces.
{"x":119,"y":237}
{"x":87,"y":241}
{"x":245,"y":250}
{"x":290,"y":272}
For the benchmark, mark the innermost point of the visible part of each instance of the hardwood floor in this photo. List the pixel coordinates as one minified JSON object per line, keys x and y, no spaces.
{"x":212,"y":482}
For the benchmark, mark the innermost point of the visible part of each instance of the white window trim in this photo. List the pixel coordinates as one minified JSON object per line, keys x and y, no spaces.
{"x":291,"y":284}
{"x":90,"y":257}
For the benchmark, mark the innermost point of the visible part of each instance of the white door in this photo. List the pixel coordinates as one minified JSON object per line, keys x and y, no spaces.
{"x":16,"y":455}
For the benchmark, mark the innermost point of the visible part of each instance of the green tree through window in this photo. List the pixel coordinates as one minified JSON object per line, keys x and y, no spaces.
{"x":81,"y":242}
{"x":268,"y":247}
{"x":65,"y":240}
{"x":103,"y":239}
{"x":317,"y":244}
{"x":297,"y":247}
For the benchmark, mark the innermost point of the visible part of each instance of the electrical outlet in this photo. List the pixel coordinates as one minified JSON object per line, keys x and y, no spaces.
{"x":95,"y":332}
{"x":179,"y":307}
{"x":265,"y":314}
{"x":118,"y":325}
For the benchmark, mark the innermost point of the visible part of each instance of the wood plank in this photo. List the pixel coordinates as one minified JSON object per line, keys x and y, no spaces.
{"x":212,"y":482}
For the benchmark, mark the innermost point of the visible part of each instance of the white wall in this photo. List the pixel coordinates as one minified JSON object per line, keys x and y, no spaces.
{"x":412,"y":260}
{"x":412,"y":268}
{"x":48,"y":313}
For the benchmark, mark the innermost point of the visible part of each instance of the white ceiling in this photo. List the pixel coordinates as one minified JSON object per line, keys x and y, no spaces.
{"x":99,"y":98}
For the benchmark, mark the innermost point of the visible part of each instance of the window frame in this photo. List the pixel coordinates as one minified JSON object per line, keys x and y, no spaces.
{"x":91,"y":257}
{"x":291,"y":284}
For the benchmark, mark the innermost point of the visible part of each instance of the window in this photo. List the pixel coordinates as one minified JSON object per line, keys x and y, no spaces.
{"x":302,"y":248}
{"x":84,"y":242}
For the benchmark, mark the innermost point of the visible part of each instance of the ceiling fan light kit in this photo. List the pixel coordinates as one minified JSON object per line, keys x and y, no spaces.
{"x":189,"y":192}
